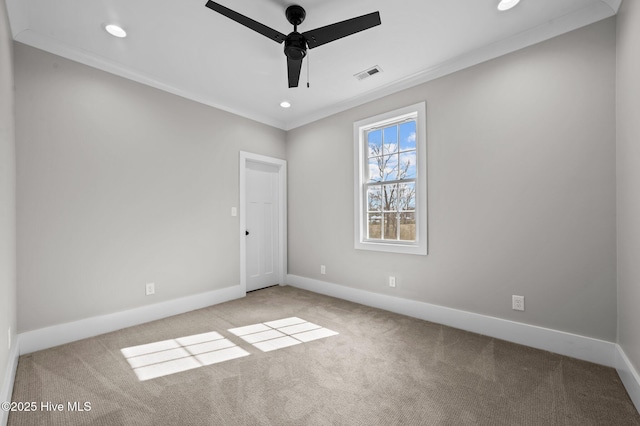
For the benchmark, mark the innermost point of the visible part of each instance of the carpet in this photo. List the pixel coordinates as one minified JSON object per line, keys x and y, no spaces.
{"x":374,"y":368}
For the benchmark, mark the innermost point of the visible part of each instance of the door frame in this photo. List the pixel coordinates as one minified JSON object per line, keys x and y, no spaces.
{"x":281,"y":165}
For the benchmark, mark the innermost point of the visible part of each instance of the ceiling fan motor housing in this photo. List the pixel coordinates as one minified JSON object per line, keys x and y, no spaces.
{"x":295,"y":46}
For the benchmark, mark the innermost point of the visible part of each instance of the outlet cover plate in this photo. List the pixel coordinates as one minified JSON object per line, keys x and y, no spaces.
{"x":517,"y":303}
{"x":150,"y":289}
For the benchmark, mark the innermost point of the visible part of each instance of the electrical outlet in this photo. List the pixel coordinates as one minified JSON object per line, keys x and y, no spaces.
{"x":392,"y":281}
{"x":150,"y":289}
{"x":234,"y":211}
{"x":517,"y":303}
{"x":9,"y":338}
{"x":323,"y":269}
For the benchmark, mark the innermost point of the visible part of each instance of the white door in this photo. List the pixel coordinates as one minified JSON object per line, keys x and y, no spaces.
{"x":262,"y":233}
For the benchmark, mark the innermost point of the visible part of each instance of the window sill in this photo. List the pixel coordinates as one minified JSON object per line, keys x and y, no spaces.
{"x":418,"y":249}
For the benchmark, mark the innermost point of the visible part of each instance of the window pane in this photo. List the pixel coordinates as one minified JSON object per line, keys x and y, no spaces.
{"x":390,"y":226}
{"x":406,"y":196}
{"x":374,"y":198}
{"x":407,"y":226}
{"x":376,"y":169}
{"x":389,"y":197}
{"x":407,"y":167}
{"x":390,"y":139}
{"x":374,"y":139}
{"x":390,"y":165}
{"x":374,"y":225}
{"x":408,"y":136}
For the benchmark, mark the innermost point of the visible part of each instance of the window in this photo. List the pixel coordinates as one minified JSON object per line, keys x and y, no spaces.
{"x":391,"y":181}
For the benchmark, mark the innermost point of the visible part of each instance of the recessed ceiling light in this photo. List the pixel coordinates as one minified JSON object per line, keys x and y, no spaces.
{"x":285,"y":104}
{"x":507,"y":4}
{"x":115,"y":31}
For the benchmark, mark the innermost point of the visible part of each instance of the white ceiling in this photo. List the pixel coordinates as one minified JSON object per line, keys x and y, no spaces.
{"x":187,"y":49}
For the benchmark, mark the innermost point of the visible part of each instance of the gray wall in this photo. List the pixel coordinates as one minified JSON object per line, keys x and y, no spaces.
{"x":119,"y":185}
{"x":628,"y":167}
{"x":7,"y":193}
{"x":521,"y":157}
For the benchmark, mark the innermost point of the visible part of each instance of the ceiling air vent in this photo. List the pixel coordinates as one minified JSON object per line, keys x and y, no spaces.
{"x":368,"y":73}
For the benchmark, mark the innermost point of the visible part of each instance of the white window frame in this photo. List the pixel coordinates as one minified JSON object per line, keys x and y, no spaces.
{"x":420,"y":246}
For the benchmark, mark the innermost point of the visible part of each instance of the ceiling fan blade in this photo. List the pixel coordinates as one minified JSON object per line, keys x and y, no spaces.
{"x":293,"y":68}
{"x":247,"y":22}
{"x":336,"y":31}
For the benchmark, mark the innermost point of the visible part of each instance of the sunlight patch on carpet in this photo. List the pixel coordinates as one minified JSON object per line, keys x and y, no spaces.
{"x":272,"y":335}
{"x":172,"y":356}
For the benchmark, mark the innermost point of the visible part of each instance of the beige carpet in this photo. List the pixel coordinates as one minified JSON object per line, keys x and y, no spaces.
{"x":381,"y":369}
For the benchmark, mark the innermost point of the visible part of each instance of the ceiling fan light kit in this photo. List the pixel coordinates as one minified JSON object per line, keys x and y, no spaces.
{"x":296,"y":44}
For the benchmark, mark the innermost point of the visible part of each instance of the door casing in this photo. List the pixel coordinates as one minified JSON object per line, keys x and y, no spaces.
{"x":281,"y":166}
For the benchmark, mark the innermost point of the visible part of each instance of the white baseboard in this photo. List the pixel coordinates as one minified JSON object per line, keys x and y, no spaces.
{"x":573,"y":345}
{"x":629,"y":376}
{"x":55,"y":335}
{"x":9,"y":376}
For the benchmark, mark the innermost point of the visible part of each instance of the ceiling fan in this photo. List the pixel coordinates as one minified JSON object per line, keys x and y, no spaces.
{"x":296,"y":44}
